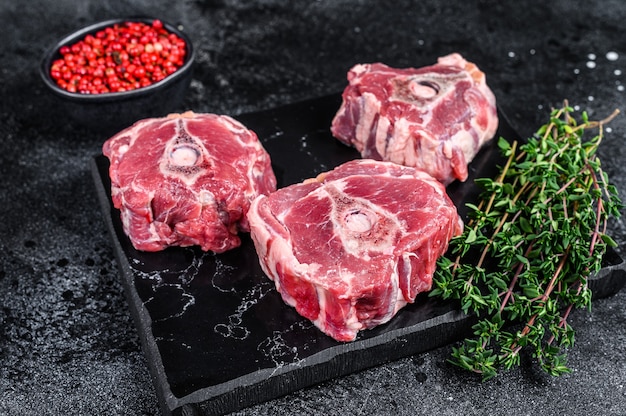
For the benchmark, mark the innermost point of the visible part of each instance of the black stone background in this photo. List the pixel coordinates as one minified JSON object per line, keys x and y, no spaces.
{"x":67,"y":342}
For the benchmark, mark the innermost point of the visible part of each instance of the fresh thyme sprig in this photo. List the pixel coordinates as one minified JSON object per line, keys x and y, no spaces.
{"x":537,"y":234}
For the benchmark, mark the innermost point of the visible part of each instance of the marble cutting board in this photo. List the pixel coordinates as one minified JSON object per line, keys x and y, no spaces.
{"x":217,"y":335}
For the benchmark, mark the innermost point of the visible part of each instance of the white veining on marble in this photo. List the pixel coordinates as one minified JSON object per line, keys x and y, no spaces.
{"x":278,"y":350}
{"x":234,"y":327}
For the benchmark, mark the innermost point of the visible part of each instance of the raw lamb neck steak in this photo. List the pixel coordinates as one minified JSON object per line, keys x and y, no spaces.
{"x":187,"y":179}
{"x":434,"y":118}
{"x":351,"y":247}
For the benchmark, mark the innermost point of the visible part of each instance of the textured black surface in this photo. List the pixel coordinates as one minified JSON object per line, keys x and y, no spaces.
{"x":67,"y":341}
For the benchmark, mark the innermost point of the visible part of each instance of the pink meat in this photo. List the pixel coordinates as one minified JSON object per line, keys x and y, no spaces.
{"x":187,"y":179}
{"x":434,"y":118}
{"x":351,"y":247}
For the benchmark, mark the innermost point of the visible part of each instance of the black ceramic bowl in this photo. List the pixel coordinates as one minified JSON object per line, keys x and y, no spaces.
{"x":110,"y":112}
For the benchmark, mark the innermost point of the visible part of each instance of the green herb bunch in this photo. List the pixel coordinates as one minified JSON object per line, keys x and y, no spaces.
{"x":531,"y":242}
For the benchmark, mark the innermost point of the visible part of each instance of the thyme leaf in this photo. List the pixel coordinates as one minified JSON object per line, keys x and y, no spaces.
{"x":533,"y":239}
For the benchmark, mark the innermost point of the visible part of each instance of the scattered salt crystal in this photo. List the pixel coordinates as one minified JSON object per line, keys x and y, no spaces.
{"x":540,"y":106}
{"x":618,"y":72}
{"x":608,"y":129}
{"x":612,"y":56}
{"x":577,"y":107}
{"x":576,"y":71}
{"x":420,"y":42}
{"x":532,"y":51}
{"x":511,"y":54}
{"x":590,"y":98}
{"x":591,"y":56}
{"x":591,"y":64}
{"x":620,"y":88}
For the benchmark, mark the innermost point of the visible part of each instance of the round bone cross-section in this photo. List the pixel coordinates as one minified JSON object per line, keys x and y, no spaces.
{"x":184,"y":156}
{"x":358,"y":221}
